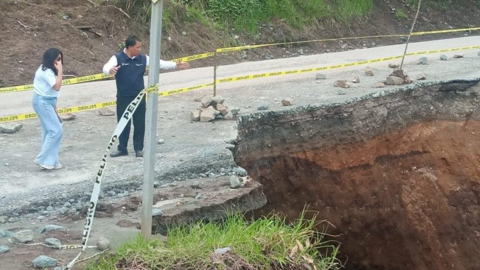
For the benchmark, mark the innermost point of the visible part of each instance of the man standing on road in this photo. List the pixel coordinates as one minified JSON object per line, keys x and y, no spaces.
{"x":128,"y":67}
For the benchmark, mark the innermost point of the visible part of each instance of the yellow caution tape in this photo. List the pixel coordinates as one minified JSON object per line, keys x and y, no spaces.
{"x":19,"y":117}
{"x":82,"y":79}
{"x":25,"y":116}
{"x":16,"y":88}
{"x":97,"y":77}
{"x":194,"y":57}
{"x":445,"y":31}
{"x":183,"y":90}
{"x":100,"y":76}
{"x":248,"y":47}
{"x":74,"y":109}
{"x":299,"y":71}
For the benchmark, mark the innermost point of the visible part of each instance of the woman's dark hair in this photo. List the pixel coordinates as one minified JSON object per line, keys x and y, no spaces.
{"x":49,"y":58}
{"x":131,"y":41}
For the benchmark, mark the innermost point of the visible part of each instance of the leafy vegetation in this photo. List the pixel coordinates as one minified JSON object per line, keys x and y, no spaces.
{"x":267,"y":243}
{"x":401,"y":14}
{"x":247,"y":15}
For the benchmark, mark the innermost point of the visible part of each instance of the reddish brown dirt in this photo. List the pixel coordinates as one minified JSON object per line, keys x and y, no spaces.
{"x":30,"y":27}
{"x":404,"y":200}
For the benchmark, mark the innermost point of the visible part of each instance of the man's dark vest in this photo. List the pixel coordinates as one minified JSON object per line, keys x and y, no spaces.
{"x":129,"y":76}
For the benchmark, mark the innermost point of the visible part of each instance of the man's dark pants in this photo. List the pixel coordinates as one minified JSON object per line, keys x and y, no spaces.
{"x":138,"y":124}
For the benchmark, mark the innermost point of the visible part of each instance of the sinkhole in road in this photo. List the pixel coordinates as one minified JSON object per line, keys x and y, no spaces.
{"x":397,"y":173}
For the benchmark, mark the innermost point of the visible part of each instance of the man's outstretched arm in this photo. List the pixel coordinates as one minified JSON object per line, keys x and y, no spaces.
{"x":170,"y":65}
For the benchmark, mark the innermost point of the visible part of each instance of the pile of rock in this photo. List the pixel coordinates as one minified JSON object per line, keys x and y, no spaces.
{"x":398,"y":77}
{"x":356,"y":79}
{"x":213,"y":108}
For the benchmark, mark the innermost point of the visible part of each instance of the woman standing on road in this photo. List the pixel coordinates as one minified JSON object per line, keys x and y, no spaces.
{"x":47,"y":83}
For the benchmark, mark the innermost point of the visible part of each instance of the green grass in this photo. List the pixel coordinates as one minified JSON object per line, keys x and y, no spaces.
{"x":267,"y":243}
{"x":249,"y":14}
{"x":401,"y":14}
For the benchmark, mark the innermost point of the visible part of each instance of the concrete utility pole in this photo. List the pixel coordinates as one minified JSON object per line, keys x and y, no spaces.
{"x":151,"y":119}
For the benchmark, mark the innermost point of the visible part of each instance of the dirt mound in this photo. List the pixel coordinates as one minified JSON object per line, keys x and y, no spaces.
{"x":89,"y":34}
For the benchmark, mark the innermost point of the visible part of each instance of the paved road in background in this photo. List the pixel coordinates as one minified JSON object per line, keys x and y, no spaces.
{"x":90,"y":93}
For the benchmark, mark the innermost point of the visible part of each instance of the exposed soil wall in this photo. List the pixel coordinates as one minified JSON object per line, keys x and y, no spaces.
{"x":397,"y":175}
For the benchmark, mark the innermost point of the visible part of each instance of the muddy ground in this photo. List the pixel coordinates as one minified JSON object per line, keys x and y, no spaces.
{"x":191,"y":149}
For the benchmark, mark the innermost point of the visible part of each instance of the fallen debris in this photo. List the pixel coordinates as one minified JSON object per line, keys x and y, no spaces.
{"x":421,"y":77}
{"x":422,"y":61}
{"x":398,"y":77}
{"x":180,"y":204}
{"x":103,"y":244}
{"x":394,"y":80}
{"x":67,"y":117}
{"x":263,"y":107}
{"x":341,"y":83}
{"x":369,"y":71}
{"x":356,"y":79}
{"x":287,"y":102}
{"x":105,"y":112}
{"x":208,"y":114}
{"x":195,"y":115}
{"x":213,"y":108}
{"x":10,"y":128}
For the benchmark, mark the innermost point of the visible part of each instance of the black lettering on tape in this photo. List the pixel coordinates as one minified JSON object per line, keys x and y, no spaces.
{"x":65,"y":110}
{"x":87,"y":107}
{"x":86,"y":79}
{"x":274,"y":73}
{"x":195,"y":57}
{"x":88,"y":223}
{"x":132,"y":106}
{"x":306,"y":70}
{"x":226,"y":80}
{"x":9,"y":89}
{"x":8,"y":118}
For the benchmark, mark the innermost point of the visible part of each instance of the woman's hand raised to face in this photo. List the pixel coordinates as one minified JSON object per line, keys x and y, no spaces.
{"x":58,"y":64}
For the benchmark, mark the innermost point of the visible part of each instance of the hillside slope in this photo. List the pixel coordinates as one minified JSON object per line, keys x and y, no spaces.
{"x":89,"y":34}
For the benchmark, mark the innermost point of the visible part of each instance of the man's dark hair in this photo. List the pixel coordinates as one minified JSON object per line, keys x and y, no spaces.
{"x":131,"y":40}
{"x":49,"y":58}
